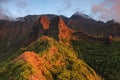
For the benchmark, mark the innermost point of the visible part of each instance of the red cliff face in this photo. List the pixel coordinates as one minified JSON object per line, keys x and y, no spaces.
{"x":45,"y":22}
{"x":43,"y":25}
{"x":30,"y":28}
{"x":59,"y":30}
{"x":64,"y":31}
{"x":26,"y":31}
{"x":39,"y":29}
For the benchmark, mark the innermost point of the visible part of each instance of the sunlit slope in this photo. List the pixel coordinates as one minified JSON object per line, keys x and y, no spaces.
{"x":46,"y":59}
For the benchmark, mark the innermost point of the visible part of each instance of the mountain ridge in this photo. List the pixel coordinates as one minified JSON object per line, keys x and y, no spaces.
{"x":52,"y":42}
{"x":23,"y":32}
{"x":46,"y":59}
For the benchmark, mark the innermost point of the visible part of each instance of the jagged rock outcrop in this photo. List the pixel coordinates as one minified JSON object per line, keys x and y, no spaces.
{"x":13,"y":33}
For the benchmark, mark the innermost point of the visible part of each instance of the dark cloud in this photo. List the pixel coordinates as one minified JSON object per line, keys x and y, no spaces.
{"x":108,"y":9}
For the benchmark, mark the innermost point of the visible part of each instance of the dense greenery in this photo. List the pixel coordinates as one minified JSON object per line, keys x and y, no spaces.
{"x":62,"y":59}
{"x":70,"y":67}
{"x":19,"y":70}
{"x":104,"y":58}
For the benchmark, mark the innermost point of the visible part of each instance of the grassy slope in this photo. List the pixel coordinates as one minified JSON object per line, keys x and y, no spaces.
{"x":105,"y":59}
{"x":60,"y":61}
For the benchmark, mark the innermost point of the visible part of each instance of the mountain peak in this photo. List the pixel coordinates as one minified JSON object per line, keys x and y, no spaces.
{"x":78,"y":13}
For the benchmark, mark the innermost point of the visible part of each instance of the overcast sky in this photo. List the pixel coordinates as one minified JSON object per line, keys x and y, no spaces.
{"x":98,"y":9}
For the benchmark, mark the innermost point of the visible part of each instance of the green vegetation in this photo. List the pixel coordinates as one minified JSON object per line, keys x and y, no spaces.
{"x":19,"y":70}
{"x":105,"y":59}
{"x":69,"y":66}
{"x":60,"y":63}
{"x":37,"y":46}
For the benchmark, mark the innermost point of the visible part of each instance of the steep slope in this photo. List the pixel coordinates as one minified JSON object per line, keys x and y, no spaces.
{"x":16,"y":33}
{"x":45,"y":22}
{"x":37,"y":64}
{"x":24,"y":30}
{"x":112,"y":28}
{"x":40,"y":28}
{"x":59,"y":30}
{"x":53,"y":27}
{"x":13,"y":33}
{"x":53,"y":61}
{"x":82,"y":22}
{"x":29,"y":28}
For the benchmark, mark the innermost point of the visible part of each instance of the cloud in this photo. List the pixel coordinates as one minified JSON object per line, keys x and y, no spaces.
{"x":66,"y":5}
{"x":5,"y":13}
{"x":21,"y":3}
{"x":2,"y":15}
{"x":108,"y":9}
{"x":79,"y":10}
